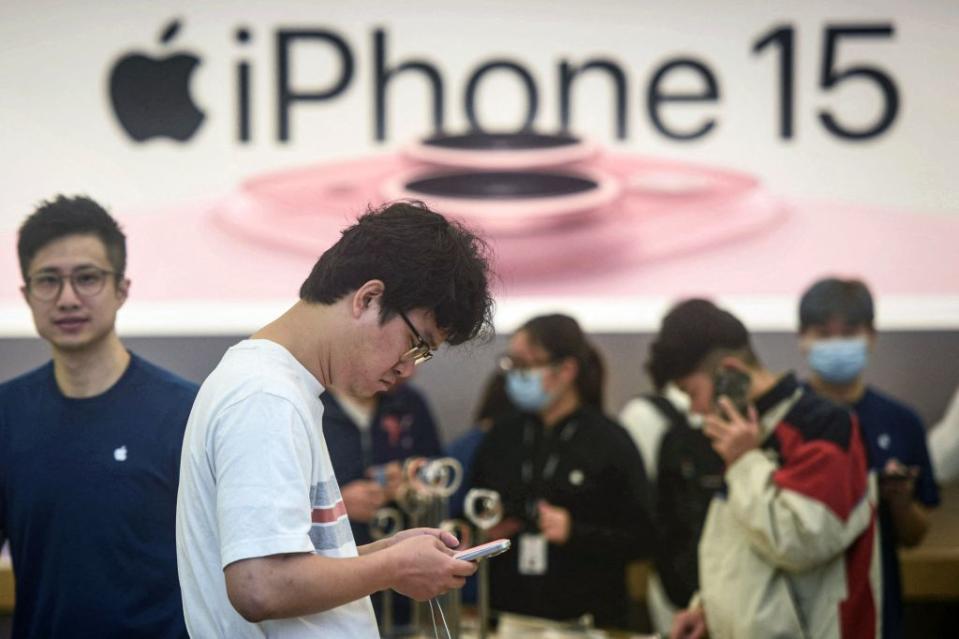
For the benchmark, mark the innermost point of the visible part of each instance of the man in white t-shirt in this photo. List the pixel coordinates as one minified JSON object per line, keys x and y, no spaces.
{"x":264,"y":546}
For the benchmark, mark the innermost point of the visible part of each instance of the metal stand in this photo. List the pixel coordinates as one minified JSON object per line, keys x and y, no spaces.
{"x":485,"y":509}
{"x":430,"y":484}
{"x":386,"y":522}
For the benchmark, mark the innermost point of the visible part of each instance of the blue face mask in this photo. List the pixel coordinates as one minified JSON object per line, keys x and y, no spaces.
{"x":839,"y":361}
{"x":525,"y":389}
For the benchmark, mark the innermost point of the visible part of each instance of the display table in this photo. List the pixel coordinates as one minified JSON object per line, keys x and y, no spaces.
{"x":6,"y":586}
{"x":931,"y":570}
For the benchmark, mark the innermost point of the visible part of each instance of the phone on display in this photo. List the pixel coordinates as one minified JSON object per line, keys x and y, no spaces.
{"x":489,"y":549}
{"x":378,"y":474}
{"x":734,"y":384}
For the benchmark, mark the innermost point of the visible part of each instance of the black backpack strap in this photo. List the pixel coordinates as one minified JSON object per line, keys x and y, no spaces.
{"x":685,"y":453}
{"x":667,"y":410}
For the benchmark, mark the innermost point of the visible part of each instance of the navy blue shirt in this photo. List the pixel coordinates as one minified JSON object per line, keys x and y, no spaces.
{"x":88,"y":502}
{"x":893,"y":430}
{"x":402,"y":427}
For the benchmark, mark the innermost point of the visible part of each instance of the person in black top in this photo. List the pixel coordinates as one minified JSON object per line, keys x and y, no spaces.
{"x":572,"y":482}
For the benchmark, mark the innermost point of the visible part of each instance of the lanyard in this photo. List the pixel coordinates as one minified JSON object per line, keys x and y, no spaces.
{"x":536,"y":485}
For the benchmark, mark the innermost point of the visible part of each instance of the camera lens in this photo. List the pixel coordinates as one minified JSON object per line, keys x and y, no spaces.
{"x":525,"y":140}
{"x":500,"y":185}
{"x":521,"y":151}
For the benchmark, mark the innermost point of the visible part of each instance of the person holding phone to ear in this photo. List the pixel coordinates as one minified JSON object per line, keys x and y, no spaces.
{"x":789,"y":546}
{"x":837,"y":334}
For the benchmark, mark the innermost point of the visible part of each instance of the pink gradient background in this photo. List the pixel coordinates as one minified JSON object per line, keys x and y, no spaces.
{"x":672,"y":230}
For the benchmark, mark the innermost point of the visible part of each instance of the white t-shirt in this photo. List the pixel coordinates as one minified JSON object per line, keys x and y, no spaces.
{"x":944,"y":444}
{"x":256,"y":480}
{"x":646,"y":424}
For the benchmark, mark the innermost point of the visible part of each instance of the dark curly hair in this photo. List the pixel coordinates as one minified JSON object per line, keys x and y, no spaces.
{"x":692,"y":331}
{"x":424,"y":260}
{"x":63,"y":216}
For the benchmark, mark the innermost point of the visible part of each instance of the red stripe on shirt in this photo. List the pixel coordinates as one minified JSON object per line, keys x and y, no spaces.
{"x":329,"y":515}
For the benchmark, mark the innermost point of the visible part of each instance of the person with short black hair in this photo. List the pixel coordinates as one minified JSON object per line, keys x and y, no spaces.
{"x":684,"y":471}
{"x":89,"y":445}
{"x":572,"y":482}
{"x":837,"y":333}
{"x":263,"y":539}
{"x":789,"y":546}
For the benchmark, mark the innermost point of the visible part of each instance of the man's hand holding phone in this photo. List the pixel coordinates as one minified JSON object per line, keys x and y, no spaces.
{"x":897,"y":482}
{"x":735,"y":435}
{"x":424,"y":565}
{"x":483,"y":551}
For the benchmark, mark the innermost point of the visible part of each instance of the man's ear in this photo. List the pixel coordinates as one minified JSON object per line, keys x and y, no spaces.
{"x":123,"y":290}
{"x":368,"y":296}
{"x":806,"y":338}
{"x":23,"y":291}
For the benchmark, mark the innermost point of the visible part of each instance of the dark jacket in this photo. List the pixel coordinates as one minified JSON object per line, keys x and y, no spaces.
{"x":588,"y":465}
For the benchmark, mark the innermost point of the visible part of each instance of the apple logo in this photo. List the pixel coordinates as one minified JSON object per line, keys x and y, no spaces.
{"x":120,"y":454}
{"x":151,"y":97}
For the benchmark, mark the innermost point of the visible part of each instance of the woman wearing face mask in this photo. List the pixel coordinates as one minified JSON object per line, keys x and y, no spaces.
{"x":572,"y":482}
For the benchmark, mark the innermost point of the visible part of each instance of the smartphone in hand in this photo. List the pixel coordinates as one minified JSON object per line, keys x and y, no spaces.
{"x":489,"y":549}
{"x":899,"y":473}
{"x":734,"y":384}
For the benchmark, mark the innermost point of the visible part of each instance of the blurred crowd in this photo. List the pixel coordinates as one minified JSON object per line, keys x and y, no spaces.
{"x":304,"y":475}
{"x":752,"y":492}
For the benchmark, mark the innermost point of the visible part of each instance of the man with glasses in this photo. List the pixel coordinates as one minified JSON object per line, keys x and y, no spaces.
{"x":89,"y":446}
{"x":370,"y":439}
{"x":263,"y":540}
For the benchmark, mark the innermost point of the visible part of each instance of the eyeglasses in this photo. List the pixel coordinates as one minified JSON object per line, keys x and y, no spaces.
{"x":507,"y":364}
{"x":421,"y":352}
{"x":86,"y":281}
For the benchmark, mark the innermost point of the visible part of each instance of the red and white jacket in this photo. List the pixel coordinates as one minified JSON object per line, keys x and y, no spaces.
{"x":791,"y":547}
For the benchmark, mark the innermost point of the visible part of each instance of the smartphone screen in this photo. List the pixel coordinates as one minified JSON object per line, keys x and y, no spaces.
{"x":734,"y":384}
{"x":489,"y":549}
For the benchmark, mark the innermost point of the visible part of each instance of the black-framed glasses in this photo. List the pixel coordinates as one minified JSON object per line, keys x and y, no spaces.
{"x":86,"y":281}
{"x":421,"y":352}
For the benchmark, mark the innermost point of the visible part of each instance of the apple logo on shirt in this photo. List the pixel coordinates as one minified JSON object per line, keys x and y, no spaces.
{"x":120,"y":454}
{"x":884,"y":440}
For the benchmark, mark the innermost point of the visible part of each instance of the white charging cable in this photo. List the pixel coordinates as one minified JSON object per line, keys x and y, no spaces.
{"x":436,"y":633}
